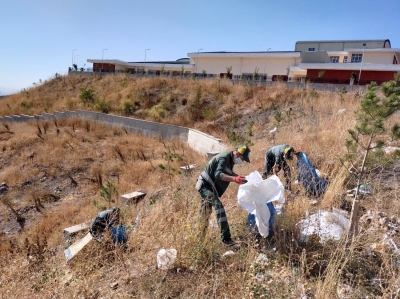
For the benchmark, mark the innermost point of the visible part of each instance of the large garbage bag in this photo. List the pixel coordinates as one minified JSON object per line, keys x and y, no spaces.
{"x":256,"y":193}
{"x":119,"y":235}
{"x":308,"y":177}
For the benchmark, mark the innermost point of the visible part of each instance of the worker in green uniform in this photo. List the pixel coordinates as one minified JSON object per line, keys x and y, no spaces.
{"x":275,"y":159}
{"x":213,"y":182}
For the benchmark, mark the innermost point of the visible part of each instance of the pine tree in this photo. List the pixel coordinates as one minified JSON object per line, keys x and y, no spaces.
{"x":368,"y":136}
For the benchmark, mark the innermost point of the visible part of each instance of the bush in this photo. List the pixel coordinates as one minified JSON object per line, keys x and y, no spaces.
{"x":87,"y":95}
{"x":104,"y":106}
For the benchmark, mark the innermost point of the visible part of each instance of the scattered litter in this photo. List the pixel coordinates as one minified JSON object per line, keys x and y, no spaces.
{"x":114,"y":285}
{"x":262,"y":259}
{"x":341,"y":111}
{"x":390,"y":242}
{"x":230,"y":252}
{"x":166,"y":258}
{"x":278,"y":209}
{"x":326,"y":225}
{"x":188,"y":167}
{"x":260,"y":277}
{"x":365,"y":189}
{"x":390,"y":149}
{"x":273,"y":130}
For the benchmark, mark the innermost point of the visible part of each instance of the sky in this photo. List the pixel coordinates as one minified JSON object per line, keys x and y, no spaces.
{"x":39,"y":38}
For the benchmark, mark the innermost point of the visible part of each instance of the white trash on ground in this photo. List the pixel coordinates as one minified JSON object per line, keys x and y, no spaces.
{"x":229,"y":252}
{"x":166,"y":258}
{"x":326,"y":225}
{"x":256,"y":193}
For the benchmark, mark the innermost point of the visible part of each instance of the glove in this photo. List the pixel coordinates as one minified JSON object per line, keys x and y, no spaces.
{"x":264,"y":175}
{"x":240,"y":179}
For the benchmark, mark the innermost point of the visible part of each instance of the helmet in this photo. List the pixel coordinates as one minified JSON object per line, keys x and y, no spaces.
{"x":288,"y":153}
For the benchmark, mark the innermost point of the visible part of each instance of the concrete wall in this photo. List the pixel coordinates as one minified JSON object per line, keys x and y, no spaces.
{"x":205,"y":143}
{"x":246,"y":65}
{"x":197,"y":140}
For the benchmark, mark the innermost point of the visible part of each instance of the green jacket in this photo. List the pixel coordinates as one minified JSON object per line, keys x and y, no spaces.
{"x":216,"y":167}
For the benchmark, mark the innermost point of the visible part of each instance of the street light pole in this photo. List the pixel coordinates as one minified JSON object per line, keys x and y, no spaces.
{"x":73,"y":57}
{"x":362,"y":59}
{"x":144,"y":66}
{"x":265,"y":64}
{"x":102,"y":59}
{"x":197,"y":59}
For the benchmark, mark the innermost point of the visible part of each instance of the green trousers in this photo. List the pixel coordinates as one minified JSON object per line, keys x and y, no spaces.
{"x":208,"y":200}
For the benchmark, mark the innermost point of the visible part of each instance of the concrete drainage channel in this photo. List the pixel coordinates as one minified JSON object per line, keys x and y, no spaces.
{"x":197,"y":140}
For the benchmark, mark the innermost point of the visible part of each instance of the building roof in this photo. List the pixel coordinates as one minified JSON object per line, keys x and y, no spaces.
{"x":345,"y":41}
{"x":179,"y":61}
{"x":222,"y":54}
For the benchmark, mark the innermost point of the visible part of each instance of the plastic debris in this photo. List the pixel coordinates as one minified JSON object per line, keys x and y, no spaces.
{"x":308,"y":176}
{"x":230,"y":252}
{"x":326,"y":225}
{"x":256,"y":193}
{"x":262,"y":259}
{"x":365,"y":189}
{"x":166,"y":258}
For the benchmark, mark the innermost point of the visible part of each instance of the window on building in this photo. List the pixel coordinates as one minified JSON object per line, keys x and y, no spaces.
{"x":345,"y":59}
{"x":311,"y":49}
{"x":395,"y":60}
{"x":334,"y":59}
{"x":356,"y":58}
{"x":364,"y":45}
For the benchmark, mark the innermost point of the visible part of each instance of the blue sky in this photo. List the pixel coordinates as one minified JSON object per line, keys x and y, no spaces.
{"x":37,"y":37}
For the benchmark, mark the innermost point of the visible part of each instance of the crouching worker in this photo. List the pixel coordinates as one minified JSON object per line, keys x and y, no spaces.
{"x":108,"y":220}
{"x":213,"y":182}
{"x":275,"y":159}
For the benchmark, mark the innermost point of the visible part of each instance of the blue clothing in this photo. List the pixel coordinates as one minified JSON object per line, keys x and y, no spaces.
{"x":251,"y":220}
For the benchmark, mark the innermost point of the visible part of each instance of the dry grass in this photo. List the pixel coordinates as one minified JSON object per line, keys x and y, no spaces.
{"x":60,"y":167}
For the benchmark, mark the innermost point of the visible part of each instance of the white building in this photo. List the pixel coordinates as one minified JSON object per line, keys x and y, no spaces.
{"x":316,"y":61}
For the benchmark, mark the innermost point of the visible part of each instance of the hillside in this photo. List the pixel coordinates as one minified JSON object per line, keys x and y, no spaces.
{"x":55,"y":171}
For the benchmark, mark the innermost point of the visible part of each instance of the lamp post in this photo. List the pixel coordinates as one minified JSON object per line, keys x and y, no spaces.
{"x":73,"y":57}
{"x":144,"y":66}
{"x":102,"y":59}
{"x":265,"y":64}
{"x":362,"y":59}
{"x":197,"y":59}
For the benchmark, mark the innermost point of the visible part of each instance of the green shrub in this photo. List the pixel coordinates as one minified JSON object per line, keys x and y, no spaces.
{"x":87,"y":95}
{"x":104,"y":106}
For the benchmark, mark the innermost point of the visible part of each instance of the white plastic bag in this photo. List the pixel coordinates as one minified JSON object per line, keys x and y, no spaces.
{"x":166,"y":258}
{"x":327,"y":225}
{"x":256,"y":193}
